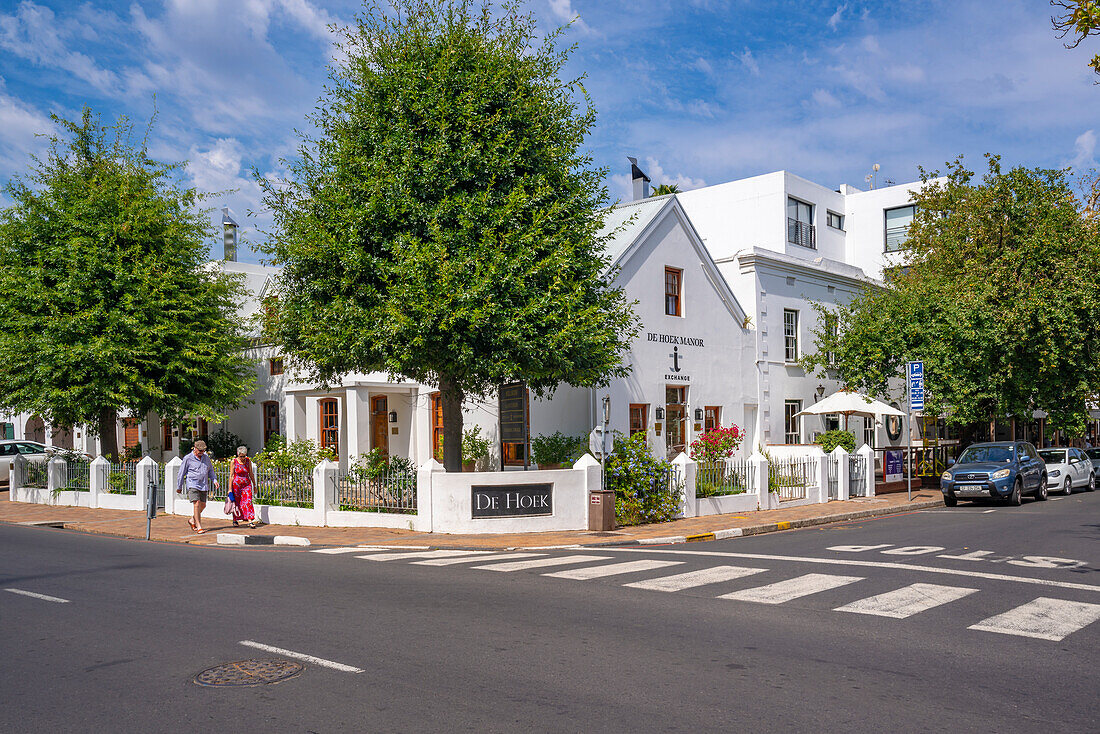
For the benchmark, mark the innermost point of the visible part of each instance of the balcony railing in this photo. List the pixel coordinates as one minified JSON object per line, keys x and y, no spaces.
{"x":801,"y":233}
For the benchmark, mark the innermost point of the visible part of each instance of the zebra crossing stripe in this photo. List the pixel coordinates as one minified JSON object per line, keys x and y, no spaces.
{"x":479,"y":557}
{"x":907,"y":601}
{"x":540,"y":563}
{"x":416,"y":554}
{"x":783,"y":591}
{"x":692,"y":579}
{"x":1043,"y":618}
{"x":612,"y":569}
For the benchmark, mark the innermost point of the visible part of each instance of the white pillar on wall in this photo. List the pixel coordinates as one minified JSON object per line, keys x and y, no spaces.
{"x":171,"y":478}
{"x":97,"y":479}
{"x":840,"y":456}
{"x":352,"y":433}
{"x":758,"y":465}
{"x":295,"y":417}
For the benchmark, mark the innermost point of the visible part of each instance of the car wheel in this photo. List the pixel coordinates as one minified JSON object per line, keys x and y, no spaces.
{"x":1041,"y":492}
{"x":1015,"y":499}
{"x":950,"y":500}
{"x":1067,"y":488}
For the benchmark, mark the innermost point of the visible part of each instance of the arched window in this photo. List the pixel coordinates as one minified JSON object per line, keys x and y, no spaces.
{"x":330,"y":424}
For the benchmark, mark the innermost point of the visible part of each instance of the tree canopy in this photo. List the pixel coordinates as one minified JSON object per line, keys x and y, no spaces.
{"x":1078,"y":19}
{"x":1000,"y":297}
{"x":107,"y":301}
{"x":443,"y":223}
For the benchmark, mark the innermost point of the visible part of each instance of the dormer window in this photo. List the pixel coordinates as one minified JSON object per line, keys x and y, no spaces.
{"x":673,"y":284}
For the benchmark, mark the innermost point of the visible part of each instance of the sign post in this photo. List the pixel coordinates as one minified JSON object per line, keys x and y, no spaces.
{"x":914,"y":378}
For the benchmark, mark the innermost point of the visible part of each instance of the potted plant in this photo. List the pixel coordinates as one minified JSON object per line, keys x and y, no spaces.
{"x":556,"y":450}
{"x":474,"y":447}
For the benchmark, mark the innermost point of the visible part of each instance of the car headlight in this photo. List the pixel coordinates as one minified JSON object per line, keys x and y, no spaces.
{"x":1002,"y":474}
{"x":946,"y":476}
{"x":1054,"y":472}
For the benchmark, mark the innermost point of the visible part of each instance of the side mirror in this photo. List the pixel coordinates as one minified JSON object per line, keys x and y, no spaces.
{"x":950,"y":462}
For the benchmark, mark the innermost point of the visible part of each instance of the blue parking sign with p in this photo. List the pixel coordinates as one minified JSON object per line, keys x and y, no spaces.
{"x":916,"y":385}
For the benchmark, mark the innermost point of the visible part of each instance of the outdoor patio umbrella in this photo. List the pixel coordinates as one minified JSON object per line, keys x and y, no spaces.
{"x":849,"y":403}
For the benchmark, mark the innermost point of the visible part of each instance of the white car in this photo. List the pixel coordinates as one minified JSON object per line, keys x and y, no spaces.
{"x":8,"y":451}
{"x":1067,"y":469}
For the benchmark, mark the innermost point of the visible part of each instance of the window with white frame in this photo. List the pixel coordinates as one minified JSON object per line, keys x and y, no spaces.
{"x":897,"y":226}
{"x":790,"y":335}
{"x":800,"y":227}
{"x":869,"y":432}
{"x":832,"y":421}
{"x":792,"y":423}
{"x":834,"y":220}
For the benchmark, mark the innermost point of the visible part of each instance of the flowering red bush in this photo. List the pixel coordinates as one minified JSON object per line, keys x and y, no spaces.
{"x":717,"y":443}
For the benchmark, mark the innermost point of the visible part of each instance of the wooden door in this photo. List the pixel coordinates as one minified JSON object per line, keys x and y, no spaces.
{"x":379,"y":428}
{"x":674,"y":434}
{"x":130,"y":435}
{"x":437,"y":426}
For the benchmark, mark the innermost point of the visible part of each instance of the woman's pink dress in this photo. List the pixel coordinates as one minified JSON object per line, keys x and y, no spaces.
{"x":242,"y":492}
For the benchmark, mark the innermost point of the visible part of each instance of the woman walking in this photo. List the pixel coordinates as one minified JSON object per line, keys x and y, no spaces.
{"x":244,"y":479}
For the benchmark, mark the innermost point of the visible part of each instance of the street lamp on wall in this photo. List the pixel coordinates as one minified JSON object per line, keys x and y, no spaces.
{"x":393,"y":416}
{"x":659,"y":413}
{"x":819,"y":393}
{"x":698,"y":414}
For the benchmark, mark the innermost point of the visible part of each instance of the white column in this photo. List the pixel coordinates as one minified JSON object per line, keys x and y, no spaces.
{"x":146,"y":473}
{"x":840,"y":456}
{"x":868,"y":455}
{"x":758,"y":465}
{"x":295,"y":417}
{"x":171,"y":477}
{"x":15,"y":475}
{"x":424,"y":497}
{"x":823,"y":479}
{"x":324,"y":490}
{"x":55,"y":476}
{"x":97,"y":479}
{"x":351,"y":400}
{"x":686,"y":471}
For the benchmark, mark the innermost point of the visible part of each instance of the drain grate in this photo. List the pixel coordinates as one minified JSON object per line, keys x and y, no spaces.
{"x":249,"y":673}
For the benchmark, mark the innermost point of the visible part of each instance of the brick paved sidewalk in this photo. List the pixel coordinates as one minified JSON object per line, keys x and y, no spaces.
{"x":174,"y":528}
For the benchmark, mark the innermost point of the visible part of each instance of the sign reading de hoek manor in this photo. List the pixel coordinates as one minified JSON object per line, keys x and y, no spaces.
{"x":510,"y":500}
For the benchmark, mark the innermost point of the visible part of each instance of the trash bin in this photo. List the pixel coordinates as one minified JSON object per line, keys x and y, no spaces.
{"x":601,"y":509}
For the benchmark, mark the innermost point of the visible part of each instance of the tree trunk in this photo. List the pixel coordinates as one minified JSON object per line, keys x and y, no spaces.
{"x":992,"y":429}
{"x":452,"y":397}
{"x":108,"y":433}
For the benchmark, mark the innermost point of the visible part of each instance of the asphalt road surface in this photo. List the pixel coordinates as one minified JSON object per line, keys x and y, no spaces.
{"x":978,"y":618}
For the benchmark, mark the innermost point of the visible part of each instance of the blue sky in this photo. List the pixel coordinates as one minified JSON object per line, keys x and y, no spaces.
{"x":702,"y":91}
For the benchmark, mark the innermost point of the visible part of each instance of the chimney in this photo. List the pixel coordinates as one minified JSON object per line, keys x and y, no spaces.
{"x":640,"y":180}
{"x":229,"y":231}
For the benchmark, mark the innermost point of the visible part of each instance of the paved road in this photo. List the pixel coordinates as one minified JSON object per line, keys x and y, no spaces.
{"x":950,"y":620}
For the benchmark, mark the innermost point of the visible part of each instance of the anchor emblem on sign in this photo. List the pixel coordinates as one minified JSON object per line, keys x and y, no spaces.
{"x":675,"y":359}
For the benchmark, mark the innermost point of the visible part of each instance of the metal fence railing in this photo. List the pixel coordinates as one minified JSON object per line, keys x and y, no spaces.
{"x":392,"y":490}
{"x":285,"y":487}
{"x":33,"y":474}
{"x":723,"y":477}
{"x":77,"y":476}
{"x":857,"y":476}
{"x":789,"y":478}
{"x":833,"y":467}
{"x":122,"y":478}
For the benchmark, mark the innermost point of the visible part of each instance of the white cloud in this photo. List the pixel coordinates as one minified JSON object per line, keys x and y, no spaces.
{"x":907,"y":73}
{"x":563,"y":11}
{"x":748,"y":60}
{"x":35,"y":34}
{"x":701,"y":64}
{"x":870,"y":44}
{"x":1084,"y":151}
{"x":834,"y":19}
{"x":824,"y":98}
{"x":23,"y":128}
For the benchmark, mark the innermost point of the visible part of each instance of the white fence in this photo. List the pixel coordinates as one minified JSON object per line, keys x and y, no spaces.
{"x":462,"y":502}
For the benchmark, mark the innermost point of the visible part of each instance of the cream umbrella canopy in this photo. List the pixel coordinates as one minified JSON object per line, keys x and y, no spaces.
{"x":849,"y":403}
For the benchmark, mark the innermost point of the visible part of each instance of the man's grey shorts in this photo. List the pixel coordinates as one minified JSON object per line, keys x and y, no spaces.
{"x":196,"y":495}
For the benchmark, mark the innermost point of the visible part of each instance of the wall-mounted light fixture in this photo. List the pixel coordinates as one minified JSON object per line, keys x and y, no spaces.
{"x":698,"y":414}
{"x":393,"y":416}
{"x":659,"y":413}
{"x":820,"y":392}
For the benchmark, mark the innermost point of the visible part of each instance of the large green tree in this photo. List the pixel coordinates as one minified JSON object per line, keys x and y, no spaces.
{"x":107,"y":299}
{"x":443,"y":223}
{"x":1000,"y":296}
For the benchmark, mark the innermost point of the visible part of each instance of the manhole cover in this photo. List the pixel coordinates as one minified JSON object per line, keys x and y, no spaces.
{"x":248,"y":673}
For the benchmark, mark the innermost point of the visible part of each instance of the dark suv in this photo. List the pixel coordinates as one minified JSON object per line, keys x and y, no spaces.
{"x":1001,"y":470}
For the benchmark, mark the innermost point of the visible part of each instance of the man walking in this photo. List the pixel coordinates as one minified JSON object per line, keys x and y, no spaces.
{"x":197,"y":475}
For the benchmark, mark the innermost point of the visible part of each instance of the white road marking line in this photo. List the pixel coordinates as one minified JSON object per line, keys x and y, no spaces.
{"x":864,"y":564}
{"x":480,"y":557}
{"x":907,"y":601}
{"x":1044,"y":619}
{"x":361,"y":548}
{"x":783,"y":591}
{"x":334,"y":551}
{"x":691,"y":579}
{"x":989,"y":511}
{"x":416,"y":554}
{"x":302,"y":656}
{"x":613,"y":569}
{"x":43,"y":597}
{"x":978,"y":555}
{"x":541,"y":563}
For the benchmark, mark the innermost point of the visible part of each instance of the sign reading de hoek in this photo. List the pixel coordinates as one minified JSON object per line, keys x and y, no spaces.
{"x":511,"y":500}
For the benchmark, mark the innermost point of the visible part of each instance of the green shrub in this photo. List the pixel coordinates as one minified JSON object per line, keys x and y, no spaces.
{"x":222,"y":444}
{"x":831,"y":439}
{"x":557,"y":448}
{"x":473,"y":445}
{"x":301,"y":454}
{"x":642,"y":491}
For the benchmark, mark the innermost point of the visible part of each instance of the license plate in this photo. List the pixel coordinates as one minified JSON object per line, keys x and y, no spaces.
{"x":971,"y":489}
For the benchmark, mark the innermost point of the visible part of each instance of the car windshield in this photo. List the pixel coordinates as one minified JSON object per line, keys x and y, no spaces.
{"x":1053,"y":456}
{"x":980,"y":454}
